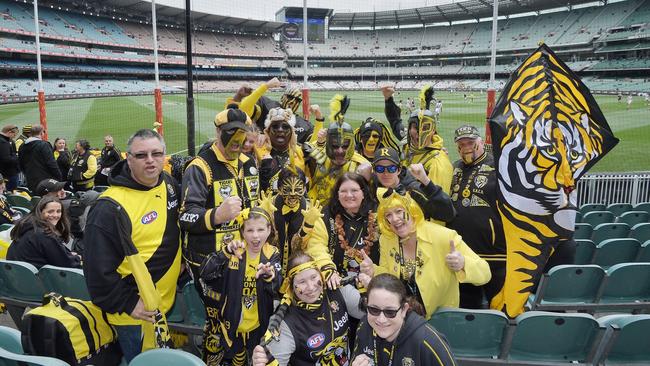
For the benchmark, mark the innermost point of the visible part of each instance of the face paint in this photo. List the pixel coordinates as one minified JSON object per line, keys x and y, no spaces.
{"x":233,"y":141}
{"x":467,"y":149}
{"x":292,"y":190}
{"x":280,"y":134}
{"x":426,"y":130}
{"x":370,"y":142}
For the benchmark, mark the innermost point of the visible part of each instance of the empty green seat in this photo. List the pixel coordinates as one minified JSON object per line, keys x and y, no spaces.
{"x":471,"y":333}
{"x":644,"y":252}
{"x":614,"y":251}
{"x":630,"y":344}
{"x":591,"y":207}
{"x":619,"y":208}
{"x":643,"y":206}
{"x":19,"y":280}
{"x":193,"y":304}
{"x":4,"y":227}
{"x":634,"y":217}
{"x":166,"y":357}
{"x":578,"y":217}
{"x":585,"y":250}
{"x":10,"y":340}
{"x":175,"y":314}
{"x":627,"y":283}
{"x":12,"y":354}
{"x":583,"y":231}
{"x":640,"y":232}
{"x":553,"y":337}
{"x":65,"y":281}
{"x":568,"y":285}
{"x":609,"y":231}
{"x":595,"y":218}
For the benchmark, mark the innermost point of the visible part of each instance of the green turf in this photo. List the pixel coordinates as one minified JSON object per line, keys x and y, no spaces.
{"x":121,"y":116}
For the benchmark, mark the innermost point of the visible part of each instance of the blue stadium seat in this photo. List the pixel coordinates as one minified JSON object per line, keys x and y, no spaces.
{"x":630,"y":344}
{"x":585,"y":251}
{"x":614,"y":251}
{"x":595,"y":218}
{"x":609,"y":231}
{"x":634,"y":217}
{"x":583,"y":231}
{"x":627,"y":286}
{"x":166,"y":357}
{"x":68,"y":282}
{"x":567,"y":287}
{"x":619,"y":208}
{"x":471,"y":333}
{"x":640,"y":232}
{"x":591,"y":207}
{"x":552,"y":337}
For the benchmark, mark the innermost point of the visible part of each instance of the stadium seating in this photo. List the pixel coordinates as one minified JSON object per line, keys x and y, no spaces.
{"x":65,"y":281}
{"x":589,"y":207}
{"x":472,"y":333}
{"x":644,"y":206}
{"x":195,"y":308}
{"x":614,"y":251}
{"x":630,"y":344}
{"x":619,"y":208}
{"x":583,"y":231}
{"x":609,"y":231}
{"x":634,"y":217}
{"x":627,"y":286}
{"x":12,"y":354}
{"x":552,"y":337}
{"x":644,"y":252}
{"x":20,"y":281}
{"x":641,"y":232}
{"x":166,"y":357}
{"x":568,"y":286}
{"x":585,"y":250}
{"x":595,"y":218}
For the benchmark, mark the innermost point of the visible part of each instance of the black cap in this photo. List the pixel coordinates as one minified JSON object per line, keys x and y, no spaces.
{"x":466,"y":131}
{"x":232,"y":118}
{"x":386,"y":153}
{"x":48,"y":186}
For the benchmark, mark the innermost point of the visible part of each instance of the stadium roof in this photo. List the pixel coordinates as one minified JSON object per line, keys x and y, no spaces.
{"x":462,"y":10}
{"x":141,"y":10}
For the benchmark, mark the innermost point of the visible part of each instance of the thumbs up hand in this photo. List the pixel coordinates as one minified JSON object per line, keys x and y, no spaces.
{"x":367,"y":267}
{"x":455,"y":260}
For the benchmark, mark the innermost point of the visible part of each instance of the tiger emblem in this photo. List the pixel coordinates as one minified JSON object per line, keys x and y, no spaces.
{"x":547,"y":132}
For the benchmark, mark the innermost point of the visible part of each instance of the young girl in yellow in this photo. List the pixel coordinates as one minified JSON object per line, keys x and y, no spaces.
{"x":244,"y":278}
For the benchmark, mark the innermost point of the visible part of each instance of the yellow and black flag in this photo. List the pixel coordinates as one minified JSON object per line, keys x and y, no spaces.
{"x":547,"y":131}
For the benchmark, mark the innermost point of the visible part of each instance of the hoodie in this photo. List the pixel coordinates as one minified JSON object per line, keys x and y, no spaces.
{"x":417,"y":344}
{"x":36,"y":161}
{"x":39,"y":248}
{"x":130,"y":213}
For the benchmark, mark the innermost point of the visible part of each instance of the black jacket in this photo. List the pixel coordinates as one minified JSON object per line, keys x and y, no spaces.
{"x":38,"y":248}
{"x":63,"y":161}
{"x":8,"y":157}
{"x":417,"y":344}
{"x":110,"y":156}
{"x":36,"y":160}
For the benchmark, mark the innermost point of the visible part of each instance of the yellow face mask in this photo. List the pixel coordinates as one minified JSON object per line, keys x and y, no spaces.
{"x":233,"y":141}
{"x":372,"y":142}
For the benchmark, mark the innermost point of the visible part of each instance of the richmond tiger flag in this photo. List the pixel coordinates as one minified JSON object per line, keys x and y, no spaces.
{"x":547,"y":131}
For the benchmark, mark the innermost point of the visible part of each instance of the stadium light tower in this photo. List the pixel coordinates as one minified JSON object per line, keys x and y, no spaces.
{"x":492,"y":90}
{"x":41,"y":92}
{"x":157,"y":95}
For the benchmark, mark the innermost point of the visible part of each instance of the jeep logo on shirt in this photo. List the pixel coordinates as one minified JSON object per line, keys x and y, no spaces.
{"x":316,"y":340}
{"x":149,"y":217}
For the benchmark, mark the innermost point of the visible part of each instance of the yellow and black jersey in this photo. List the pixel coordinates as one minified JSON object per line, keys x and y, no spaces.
{"x":243,"y":302}
{"x":325,"y":175}
{"x":417,"y":344}
{"x":82,"y":170}
{"x":132,"y":216}
{"x":270,"y":168}
{"x":208,"y":180}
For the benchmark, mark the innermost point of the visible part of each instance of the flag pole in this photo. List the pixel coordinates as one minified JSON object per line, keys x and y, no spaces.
{"x":39,"y":70}
{"x":492,"y":92}
{"x":157,"y":95}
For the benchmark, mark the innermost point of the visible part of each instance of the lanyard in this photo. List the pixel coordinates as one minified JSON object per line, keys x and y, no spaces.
{"x":392,"y":350}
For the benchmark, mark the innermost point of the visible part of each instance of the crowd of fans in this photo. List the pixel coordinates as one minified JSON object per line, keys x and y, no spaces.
{"x":341,"y":242}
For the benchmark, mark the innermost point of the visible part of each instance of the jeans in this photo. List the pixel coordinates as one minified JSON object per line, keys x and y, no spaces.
{"x":130,"y":339}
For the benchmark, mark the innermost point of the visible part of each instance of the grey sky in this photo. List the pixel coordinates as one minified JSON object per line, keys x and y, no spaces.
{"x":265,"y":9}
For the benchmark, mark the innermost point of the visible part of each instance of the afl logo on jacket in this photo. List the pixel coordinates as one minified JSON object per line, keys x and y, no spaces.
{"x":149,"y":217}
{"x":316,"y":340}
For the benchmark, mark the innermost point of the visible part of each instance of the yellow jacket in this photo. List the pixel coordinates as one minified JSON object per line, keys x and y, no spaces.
{"x":437,"y":283}
{"x":436,"y":163}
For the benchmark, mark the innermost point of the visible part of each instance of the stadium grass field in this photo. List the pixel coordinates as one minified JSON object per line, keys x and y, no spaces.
{"x":121,"y":116}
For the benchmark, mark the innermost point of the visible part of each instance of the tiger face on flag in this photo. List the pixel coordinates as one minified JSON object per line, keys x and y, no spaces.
{"x":547,"y":131}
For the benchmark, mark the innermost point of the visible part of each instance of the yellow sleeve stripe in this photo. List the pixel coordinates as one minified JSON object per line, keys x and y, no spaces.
{"x":208,"y":219}
{"x":204,"y":167}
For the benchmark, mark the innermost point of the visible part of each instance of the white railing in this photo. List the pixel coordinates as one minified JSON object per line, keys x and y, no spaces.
{"x":609,"y":188}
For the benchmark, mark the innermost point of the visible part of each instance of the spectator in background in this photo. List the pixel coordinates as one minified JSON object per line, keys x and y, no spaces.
{"x":36,"y":159}
{"x":7,"y":215}
{"x":40,"y":237}
{"x":83,"y":167}
{"x":62,"y":155}
{"x":20,"y":140}
{"x":110,"y":156}
{"x":9,"y":156}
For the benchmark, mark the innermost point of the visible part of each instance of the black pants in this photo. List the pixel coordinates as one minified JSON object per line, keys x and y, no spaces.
{"x":479,"y":297}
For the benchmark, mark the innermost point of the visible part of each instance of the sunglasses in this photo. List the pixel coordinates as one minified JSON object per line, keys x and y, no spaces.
{"x":388,"y":313}
{"x":144,"y":155}
{"x":382,"y":168}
